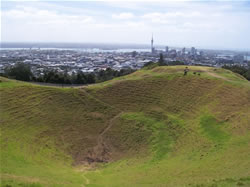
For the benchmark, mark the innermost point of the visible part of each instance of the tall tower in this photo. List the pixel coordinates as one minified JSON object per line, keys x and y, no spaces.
{"x":152,"y":44}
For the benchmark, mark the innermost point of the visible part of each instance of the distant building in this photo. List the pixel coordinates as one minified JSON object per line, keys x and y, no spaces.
{"x":152,"y":45}
{"x":173,"y":53}
{"x":183,"y":51}
{"x":193,"y":51}
{"x":166,"y":49}
{"x":238,"y":58}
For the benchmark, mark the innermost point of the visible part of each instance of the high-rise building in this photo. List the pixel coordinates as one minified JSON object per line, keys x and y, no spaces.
{"x":152,"y":45}
{"x":184,"y":51}
{"x":173,"y":53}
{"x":193,"y":51}
{"x":166,"y":49}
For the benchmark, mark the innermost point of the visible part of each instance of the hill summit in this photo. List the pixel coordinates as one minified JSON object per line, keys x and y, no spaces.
{"x":154,"y":127}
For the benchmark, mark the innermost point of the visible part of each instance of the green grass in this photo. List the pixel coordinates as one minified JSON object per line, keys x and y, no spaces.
{"x":160,"y":139}
{"x":204,"y":167}
{"x":11,"y":182}
{"x":213,"y":129}
{"x":26,"y":160}
{"x":42,"y":131}
{"x":159,"y":128}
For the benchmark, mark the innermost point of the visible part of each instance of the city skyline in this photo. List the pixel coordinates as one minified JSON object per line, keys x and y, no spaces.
{"x":203,"y":24}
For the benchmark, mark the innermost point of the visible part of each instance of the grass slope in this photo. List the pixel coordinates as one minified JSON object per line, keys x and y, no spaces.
{"x":154,"y":127}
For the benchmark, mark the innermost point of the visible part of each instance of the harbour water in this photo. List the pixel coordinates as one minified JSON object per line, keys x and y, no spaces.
{"x":90,"y":50}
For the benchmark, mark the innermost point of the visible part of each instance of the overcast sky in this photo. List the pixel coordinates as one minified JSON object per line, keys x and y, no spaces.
{"x":203,"y":24}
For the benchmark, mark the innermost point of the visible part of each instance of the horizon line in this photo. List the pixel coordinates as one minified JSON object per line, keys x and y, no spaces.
{"x":117,"y":43}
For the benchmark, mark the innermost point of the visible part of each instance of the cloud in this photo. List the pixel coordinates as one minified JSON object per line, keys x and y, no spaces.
{"x":178,"y":19}
{"x":125,"y":15}
{"x":173,"y":23}
{"x":164,"y":17}
{"x":36,"y":16}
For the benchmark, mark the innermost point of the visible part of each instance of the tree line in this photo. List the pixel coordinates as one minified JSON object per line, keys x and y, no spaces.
{"x":162,"y":62}
{"x":240,"y":70}
{"x":21,"y":71}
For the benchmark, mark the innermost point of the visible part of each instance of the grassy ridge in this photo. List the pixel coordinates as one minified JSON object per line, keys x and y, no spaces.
{"x":155,"y":127}
{"x":44,"y":130}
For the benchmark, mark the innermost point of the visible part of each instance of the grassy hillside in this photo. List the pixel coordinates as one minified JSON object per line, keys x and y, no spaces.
{"x":154,"y":127}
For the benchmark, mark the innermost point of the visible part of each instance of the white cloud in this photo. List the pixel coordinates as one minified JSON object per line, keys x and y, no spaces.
{"x":173,"y":23}
{"x":164,"y":17}
{"x":125,"y":15}
{"x":36,"y":16}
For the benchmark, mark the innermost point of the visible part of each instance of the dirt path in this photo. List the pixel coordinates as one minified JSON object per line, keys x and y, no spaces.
{"x":87,"y":181}
{"x":100,"y":137}
{"x":217,"y":76}
{"x":101,"y":152}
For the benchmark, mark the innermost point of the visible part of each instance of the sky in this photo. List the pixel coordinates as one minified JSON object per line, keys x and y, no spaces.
{"x":202,"y":24}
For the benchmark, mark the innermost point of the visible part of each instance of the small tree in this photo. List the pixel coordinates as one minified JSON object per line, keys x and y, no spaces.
{"x":161,"y":60}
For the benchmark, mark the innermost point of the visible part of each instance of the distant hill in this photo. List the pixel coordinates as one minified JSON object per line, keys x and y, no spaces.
{"x":154,"y":127}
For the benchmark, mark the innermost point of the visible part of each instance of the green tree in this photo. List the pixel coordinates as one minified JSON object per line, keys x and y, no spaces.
{"x":90,"y":78}
{"x":81,"y":78}
{"x":161,"y":60}
{"x":20,"y":71}
{"x":240,"y":70}
{"x":247,"y":75}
